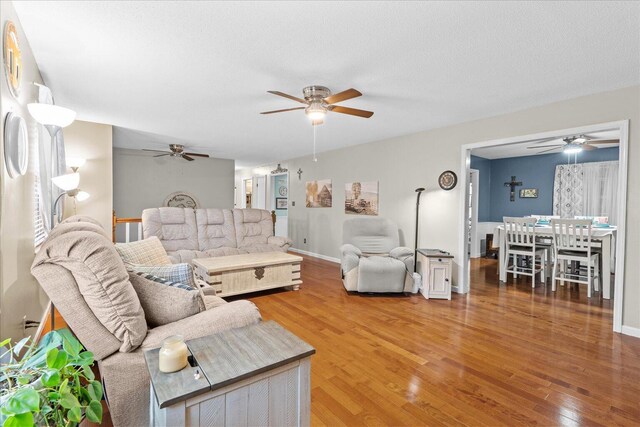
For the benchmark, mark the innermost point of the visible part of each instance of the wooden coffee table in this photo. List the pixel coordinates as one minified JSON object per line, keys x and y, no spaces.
{"x":241,"y":274}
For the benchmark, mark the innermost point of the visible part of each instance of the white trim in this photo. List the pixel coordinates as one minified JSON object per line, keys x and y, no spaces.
{"x":315,"y":255}
{"x":623,"y":127}
{"x":631,"y":331}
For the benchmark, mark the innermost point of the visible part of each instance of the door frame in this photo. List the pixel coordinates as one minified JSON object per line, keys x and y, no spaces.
{"x":272,"y":192}
{"x":465,"y":161}
{"x":474,"y":244}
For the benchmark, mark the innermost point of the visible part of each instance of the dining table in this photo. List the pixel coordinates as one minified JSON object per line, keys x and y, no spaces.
{"x":605,"y":235}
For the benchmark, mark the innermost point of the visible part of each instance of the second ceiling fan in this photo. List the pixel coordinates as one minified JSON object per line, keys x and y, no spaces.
{"x":319,"y":100}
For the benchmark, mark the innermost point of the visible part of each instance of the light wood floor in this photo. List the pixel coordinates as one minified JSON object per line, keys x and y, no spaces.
{"x":502,"y":355}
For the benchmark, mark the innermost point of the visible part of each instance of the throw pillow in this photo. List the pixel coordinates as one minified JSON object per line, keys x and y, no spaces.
{"x":164,"y":304}
{"x":143,"y":252}
{"x":181,"y":273}
{"x":162,"y":280}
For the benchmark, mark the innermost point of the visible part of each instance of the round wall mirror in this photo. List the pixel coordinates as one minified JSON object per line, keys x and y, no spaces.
{"x":16,"y":145}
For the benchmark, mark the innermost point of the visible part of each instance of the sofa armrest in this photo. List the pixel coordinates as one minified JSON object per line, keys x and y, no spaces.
{"x":279,"y":241}
{"x":405,"y":255}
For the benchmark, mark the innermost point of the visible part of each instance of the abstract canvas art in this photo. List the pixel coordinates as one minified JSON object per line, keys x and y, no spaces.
{"x":319,"y":194}
{"x":361,"y":198}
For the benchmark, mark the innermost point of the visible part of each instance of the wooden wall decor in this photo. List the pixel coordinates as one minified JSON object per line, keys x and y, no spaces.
{"x":12,"y":58}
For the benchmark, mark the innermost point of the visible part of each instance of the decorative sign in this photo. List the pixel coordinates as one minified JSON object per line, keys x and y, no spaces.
{"x":12,"y":58}
{"x":181,"y":199}
{"x":529,"y":193}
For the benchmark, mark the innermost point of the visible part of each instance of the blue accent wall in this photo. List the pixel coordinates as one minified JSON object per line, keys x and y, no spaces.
{"x":534,"y":172}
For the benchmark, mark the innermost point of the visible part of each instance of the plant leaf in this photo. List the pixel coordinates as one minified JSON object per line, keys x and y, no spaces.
{"x":5,"y":342}
{"x":68,"y":400}
{"x":70,"y":344}
{"x":85,"y":358}
{"x":64,"y":387}
{"x":51,"y":378}
{"x":54,"y":395}
{"x":74,"y":414}
{"x":56,"y":359}
{"x":94,"y":411}
{"x":19,"y":420}
{"x":22,"y":401}
{"x":95,"y":390}
{"x":88,"y":373}
{"x":46,"y":409}
{"x":24,"y":379}
{"x":18,"y":347}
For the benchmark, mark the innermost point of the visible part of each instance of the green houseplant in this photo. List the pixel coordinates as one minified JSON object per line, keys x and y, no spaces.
{"x":51,"y":384}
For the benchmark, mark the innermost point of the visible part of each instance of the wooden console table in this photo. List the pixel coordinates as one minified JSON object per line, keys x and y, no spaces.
{"x":258,"y":375}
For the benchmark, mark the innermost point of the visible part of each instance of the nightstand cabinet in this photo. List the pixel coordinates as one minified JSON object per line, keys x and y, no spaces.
{"x":435,"y":267}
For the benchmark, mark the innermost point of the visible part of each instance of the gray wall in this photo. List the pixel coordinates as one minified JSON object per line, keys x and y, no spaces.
{"x":141,"y":181}
{"x":405,"y":163}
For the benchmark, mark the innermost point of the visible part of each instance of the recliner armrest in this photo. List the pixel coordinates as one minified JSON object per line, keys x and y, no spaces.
{"x":350,"y":249}
{"x":404,"y":254}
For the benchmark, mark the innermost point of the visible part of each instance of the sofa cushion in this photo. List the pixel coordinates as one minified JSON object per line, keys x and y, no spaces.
{"x":381,"y":274}
{"x":253,"y":226}
{"x":264,"y":247}
{"x":164,"y":304}
{"x":102,"y":280}
{"x":215,"y":229}
{"x":180,"y":273}
{"x":175,"y":227}
{"x":143,"y":252}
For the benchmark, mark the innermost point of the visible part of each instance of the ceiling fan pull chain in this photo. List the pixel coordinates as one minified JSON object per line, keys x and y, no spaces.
{"x":315,"y":159}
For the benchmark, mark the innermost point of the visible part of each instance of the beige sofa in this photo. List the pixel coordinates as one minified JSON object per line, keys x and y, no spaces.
{"x":196,"y":233}
{"x":110,"y":311}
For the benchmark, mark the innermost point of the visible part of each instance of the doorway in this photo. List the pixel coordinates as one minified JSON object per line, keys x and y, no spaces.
{"x":247,"y":190}
{"x":473,"y":248}
{"x":622,"y":129}
{"x":279,"y":198}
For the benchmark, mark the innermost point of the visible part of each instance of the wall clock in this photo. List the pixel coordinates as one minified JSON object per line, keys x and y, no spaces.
{"x":16,"y":145}
{"x":181,"y":199}
{"x":12,"y":58}
{"x":283,"y":191}
{"x":447,"y":180}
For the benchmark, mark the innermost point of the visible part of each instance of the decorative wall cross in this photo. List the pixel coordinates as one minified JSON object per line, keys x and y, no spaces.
{"x":513,"y":184}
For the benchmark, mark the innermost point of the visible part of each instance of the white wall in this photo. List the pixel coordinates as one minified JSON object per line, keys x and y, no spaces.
{"x":93,"y":142}
{"x":20,"y":293}
{"x":141,"y":181}
{"x":405,"y":163}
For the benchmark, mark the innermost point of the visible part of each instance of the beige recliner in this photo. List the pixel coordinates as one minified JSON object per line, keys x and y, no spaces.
{"x":80,"y":270}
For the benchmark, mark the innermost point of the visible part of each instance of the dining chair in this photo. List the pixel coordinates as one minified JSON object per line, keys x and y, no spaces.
{"x":572,"y":242}
{"x":520,"y":239}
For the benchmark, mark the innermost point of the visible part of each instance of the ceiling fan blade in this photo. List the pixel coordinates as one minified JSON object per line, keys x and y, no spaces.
{"x":588,"y":147}
{"x":157,"y":151}
{"x":342,"y":96}
{"x":197,"y":155}
{"x":162,"y":155}
{"x":604,"y":141}
{"x":546,"y":151}
{"x":351,"y":111}
{"x":544,"y":146}
{"x":281,"y":111}
{"x":184,"y":156}
{"x":275,"y":92}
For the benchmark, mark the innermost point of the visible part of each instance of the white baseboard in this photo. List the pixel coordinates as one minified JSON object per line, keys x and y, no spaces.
{"x":629,"y":330}
{"x":315,"y":255}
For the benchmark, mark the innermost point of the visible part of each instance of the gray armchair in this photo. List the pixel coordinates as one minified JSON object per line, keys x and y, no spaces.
{"x":372,"y":259}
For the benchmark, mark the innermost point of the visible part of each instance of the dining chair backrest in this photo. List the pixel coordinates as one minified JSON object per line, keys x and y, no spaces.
{"x":572,"y":234}
{"x":520,"y":231}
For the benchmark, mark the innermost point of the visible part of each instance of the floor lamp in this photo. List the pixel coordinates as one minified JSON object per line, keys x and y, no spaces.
{"x":53,"y":118}
{"x":415,"y":244}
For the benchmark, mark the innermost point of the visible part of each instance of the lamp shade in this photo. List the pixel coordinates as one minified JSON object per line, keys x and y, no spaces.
{"x":52,"y":115}
{"x":82,"y":196}
{"x":67,"y":182}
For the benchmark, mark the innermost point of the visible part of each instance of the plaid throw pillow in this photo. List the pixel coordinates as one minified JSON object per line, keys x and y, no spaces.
{"x":178,"y":273}
{"x":143,"y":252}
{"x":164,"y":281}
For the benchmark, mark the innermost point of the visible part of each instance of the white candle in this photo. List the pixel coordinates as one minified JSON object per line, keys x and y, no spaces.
{"x":173,"y":354}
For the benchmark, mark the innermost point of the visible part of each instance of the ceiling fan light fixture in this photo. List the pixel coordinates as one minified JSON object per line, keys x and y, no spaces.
{"x":315,"y":111}
{"x":572,"y":148}
{"x":581,"y":139}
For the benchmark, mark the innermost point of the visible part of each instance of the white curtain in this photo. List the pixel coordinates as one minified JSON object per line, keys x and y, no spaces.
{"x":48,"y":168}
{"x":601,"y":190}
{"x":567,"y":190}
{"x":586,"y":189}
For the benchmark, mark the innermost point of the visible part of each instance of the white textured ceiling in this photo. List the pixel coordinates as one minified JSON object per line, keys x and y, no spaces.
{"x":198,"y":72}
{"x":522,"y":149}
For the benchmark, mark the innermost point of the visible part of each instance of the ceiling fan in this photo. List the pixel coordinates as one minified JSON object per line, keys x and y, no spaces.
{"x":319,"y":100}
{"x":177,"y":150}
{"x":574,"y":144}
